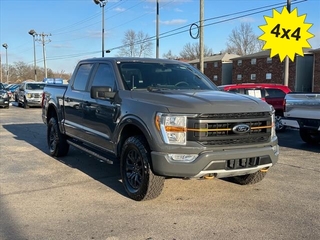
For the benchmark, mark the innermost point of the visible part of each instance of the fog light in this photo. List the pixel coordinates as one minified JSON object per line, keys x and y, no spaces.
{"x":182,"y":157}
{"x":276,"y":150}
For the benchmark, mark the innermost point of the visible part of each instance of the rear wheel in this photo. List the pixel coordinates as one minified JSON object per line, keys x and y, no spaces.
{"x":58,"y":145}
{"x":310,"y":136}
{"x":250,"y":178}
{"x":138,"y":179}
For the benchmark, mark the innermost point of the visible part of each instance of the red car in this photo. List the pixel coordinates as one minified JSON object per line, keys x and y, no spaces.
{"x":270,"y":92}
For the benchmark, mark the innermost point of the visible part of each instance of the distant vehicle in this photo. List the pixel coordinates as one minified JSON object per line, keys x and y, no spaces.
{"x":53,"y":80}
{"x":11,"y":88}
{"x":4,"y":97}
{"x":305,"y":109}
{"x":30,"y":94}
{"x":272,"y":93}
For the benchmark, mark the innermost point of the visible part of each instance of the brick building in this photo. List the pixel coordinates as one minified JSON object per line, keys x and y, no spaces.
{"x":217,"y":67}
{"x":316,"y":70}
{"x":260,"y":68}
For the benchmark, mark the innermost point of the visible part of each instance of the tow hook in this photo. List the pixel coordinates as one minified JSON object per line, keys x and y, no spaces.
{"x":264,"y":170}
{"x":209,"y":176}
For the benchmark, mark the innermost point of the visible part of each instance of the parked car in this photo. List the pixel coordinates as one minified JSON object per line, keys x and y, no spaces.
{"x":272,"y":93}
{"x":11,"y":88}
{"x":30,"y":94}
{"x":4,"y":96}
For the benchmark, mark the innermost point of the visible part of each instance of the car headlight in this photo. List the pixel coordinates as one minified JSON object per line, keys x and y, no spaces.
{"x":5,"y":95}
{"x":173,"y":128}
{"x":28,"y":95}
{"x":273,"y":123}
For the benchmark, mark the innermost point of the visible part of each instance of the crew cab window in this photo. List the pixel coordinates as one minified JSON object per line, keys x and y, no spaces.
{"x":275,"y":93}
{"x":104,"y":76}
{"x":82,"y":75}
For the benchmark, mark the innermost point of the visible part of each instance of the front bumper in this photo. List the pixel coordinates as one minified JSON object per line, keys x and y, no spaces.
{"x":224,"y":163}
{"x":34,"y":102}
{"x":4,"y":102}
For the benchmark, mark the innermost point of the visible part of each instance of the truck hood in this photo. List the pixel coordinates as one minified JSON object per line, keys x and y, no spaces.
{"x":201,"y":101}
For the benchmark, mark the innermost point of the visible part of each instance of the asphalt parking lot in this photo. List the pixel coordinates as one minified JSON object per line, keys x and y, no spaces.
{"x":79,"y":197}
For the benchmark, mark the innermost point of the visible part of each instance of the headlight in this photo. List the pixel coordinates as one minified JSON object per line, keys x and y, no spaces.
{"x":5,"y":95}
{"x":29,"y":95}
{"x":173,"y":128}
{"x":273,"y":123}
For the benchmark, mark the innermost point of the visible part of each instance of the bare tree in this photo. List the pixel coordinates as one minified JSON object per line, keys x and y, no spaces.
{"x":169,"y":55}
{"x":136,"y":44}
{"x":192,"y":51}
{"x":243,"y":41}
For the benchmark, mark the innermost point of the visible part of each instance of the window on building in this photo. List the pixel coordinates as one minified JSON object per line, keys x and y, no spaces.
{"x":215,"y":64}
{"x":253,"y":76}
{"x":205,"y":65}
{"x":253,"y":61}
{"x":195,"y":65}
{"x":239,"y":62}
{"x":268,"y":76}
{"x":239,"y":77}
{"x":215,"y":77}
{"x":269,"y":60}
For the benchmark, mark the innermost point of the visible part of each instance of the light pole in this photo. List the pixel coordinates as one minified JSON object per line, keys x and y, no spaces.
{"x":102,"y":4}
{"x":7,"y":70}
{"x":33,"y":34}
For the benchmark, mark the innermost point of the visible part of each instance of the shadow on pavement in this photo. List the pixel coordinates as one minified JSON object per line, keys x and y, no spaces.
{"x":290,"y":138}
{"x":107,"y":174}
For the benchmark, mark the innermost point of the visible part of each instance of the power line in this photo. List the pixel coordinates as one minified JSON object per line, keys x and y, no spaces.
{"x":174,"y":31}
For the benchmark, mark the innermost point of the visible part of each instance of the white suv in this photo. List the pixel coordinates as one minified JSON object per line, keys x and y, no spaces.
{"x":30,"y":94}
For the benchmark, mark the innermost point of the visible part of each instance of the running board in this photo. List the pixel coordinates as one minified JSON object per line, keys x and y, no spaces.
{"x":91,"y":152}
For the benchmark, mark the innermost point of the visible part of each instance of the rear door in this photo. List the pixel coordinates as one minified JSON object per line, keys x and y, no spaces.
{"x":275,"y":97}
{"x":73,"y":102}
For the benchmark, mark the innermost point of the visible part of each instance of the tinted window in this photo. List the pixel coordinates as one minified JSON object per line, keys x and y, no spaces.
{"x":104,"y":76}
{"x":274,"y":93}
{"x":82,"y":76}
{"x":34,"y":86}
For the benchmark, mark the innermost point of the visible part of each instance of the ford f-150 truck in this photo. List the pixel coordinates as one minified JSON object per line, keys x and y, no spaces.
{"x":159,"y":118}
{"x":305,"y":109}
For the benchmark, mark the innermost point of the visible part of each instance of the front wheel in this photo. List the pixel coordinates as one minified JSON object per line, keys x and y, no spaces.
{"x":58,"y":145}
{"x":137,"y":177}
{"x":250,"y":178}
{"x":280,"y":127}
{"x":310,"y":136}
{"x":25,"y":103}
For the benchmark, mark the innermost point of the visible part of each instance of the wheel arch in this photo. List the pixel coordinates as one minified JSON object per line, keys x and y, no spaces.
{"x":132,"y":126}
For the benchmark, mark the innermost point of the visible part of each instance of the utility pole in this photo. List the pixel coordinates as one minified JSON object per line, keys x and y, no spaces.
{"x":286,"y":63}
{"x":0,"y":69}
{"x":201,"y":36}
{"x":44,"y":41}
{"x":157,"y":31}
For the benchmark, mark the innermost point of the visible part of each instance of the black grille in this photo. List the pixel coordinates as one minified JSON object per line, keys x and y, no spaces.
{"x":218,"y":132}
{"x":234,"y":115}
{"x":242,"y":163}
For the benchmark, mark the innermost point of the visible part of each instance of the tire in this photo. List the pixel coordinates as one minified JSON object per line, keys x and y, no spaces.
{"x":250,"y":178}
{"x":309,"y":136}
{"x":57,"y":143}
{"x":25,"y":103}
{"x":137,"y":177}
{"x":279,"y":125}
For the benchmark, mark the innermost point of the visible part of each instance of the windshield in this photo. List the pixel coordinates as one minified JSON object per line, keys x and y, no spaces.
{"x":35,"y":86}
{"x":155,"y":76}
{"x":1,"y":86}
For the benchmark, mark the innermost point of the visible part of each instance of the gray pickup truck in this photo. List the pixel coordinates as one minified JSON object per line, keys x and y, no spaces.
{"x":159,"y":118}
{"x":304,"y":108}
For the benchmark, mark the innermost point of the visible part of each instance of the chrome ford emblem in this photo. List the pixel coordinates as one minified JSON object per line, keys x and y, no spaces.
{"x":241,"y":128}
